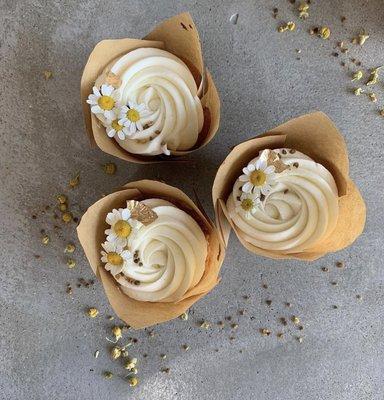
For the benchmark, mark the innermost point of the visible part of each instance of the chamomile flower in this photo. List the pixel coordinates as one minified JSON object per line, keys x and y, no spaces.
{"x":258,"y":177}
{"x":104,"y":102}
{"x":122,"y":226}
{"x":113,"y":128}
{"x":115,"y":257}
{"x":131,"y":116}
{"x":248,"y":204}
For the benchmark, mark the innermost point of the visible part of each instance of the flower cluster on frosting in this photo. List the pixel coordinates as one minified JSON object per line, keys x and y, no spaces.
{"x":119,"y":119}
{"x":116,"y":254}
{"x":257,"y":180}
{"x":149,"y":103}
{"x":285,"y":202}
{"x":154,"y":250}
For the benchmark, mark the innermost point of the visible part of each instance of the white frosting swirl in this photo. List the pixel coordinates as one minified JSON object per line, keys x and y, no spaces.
{"x":166,"y":86}
{"x":170,"y":256}
{"x":300,"y":210}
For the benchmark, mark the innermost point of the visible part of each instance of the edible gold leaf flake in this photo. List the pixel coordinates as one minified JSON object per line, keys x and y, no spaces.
{"x":113,"y":80}
{"x":141,"y":212}
{"x":274,"y":159}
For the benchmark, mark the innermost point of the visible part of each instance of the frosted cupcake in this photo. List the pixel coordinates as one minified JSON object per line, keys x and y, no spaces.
{"x":154,"y":107}
{"x":154,"y":251}
{"x":287,"y":193}
{"x":148,"y":100}
{"x":284,"y":202}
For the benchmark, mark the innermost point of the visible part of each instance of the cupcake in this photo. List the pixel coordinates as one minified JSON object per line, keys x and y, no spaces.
{"x":287,"y":194}
{"x":153,"y":249}
{"x":150,"y":100}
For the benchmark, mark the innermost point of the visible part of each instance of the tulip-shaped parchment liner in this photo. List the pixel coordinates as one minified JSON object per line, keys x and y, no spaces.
{"x":177,"y":35}
{"x":141,"y":314}
{"x":316,"y":136}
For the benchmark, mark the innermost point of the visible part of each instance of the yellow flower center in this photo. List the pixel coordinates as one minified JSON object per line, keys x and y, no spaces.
{"x":106,"y":102}
{"x":114,"y":258}
{"x":122,"y":229}
{"x":133,"y":115}
{"x":258,"y":178}
{"x":247,"y":204}
{"x":116,"y":126}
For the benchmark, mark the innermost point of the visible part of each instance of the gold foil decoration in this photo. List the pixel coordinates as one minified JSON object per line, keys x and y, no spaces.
{"x":274,"y":159}
{"x":141,"y":212}
{"x":113,"y":80}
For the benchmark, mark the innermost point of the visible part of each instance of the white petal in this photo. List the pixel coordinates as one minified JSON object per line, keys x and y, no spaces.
{"x":96,"y":91}
{"x":251,"y":167}
{"x":262,"y":165}
{"x":111,"y":133}
{"x":121,"y":135}
{"x":244,"y":178}
{"x":109,"y":114}
{"x":265,"y":189}
{"x":247,"y":187}
{"x":109,"y":220}
{"x":246,"y":171}
{"x":105,"y":90}
{"x":126,"y":254}
{"x":126,"y":214}
{"x":96,"y":109}
{"x":269,"y":170}
{"x":132,"y":128}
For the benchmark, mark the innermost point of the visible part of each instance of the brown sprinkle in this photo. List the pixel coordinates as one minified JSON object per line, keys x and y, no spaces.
{"x":108,"y":375}
{"x":295,"y":319}
{"x":265,"y":331}
{"x":75,"y":181}
{"x":45,"y":239}
{"x":67,"y":217}
{"x":93,"y":312}
{"x":109,"y":168}
{"x":71,"y":263}
{"x":47,"y":74}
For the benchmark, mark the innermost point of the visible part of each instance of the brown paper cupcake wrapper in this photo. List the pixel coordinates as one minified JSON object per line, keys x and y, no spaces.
{"x":178,"y":35}
{"x":140,"y":314}
{"x":316,"y":136}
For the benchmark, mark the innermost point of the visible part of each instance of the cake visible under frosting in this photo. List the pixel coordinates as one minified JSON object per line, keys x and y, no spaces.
{"x":156,"y":109}
{"x":286,"y":206}
{"x":167,"y":256}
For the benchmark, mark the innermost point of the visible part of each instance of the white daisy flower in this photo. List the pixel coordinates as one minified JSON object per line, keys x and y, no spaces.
{"x":113,"y":128}
{"x":258,"y":178}
{"x":115,"y":257}
{"x":248,"y":204}
{"x":131,"y":116}
{"x":104,"y":102}
{"x":123,"y":227}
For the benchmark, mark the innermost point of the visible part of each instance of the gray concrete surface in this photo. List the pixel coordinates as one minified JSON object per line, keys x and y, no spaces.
{"x":47,"y":342}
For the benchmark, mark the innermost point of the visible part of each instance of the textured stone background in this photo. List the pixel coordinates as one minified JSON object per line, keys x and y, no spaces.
{"x":47,"y":342}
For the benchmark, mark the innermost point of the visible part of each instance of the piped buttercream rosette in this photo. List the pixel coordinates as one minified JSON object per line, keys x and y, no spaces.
{"x":154,"y":250}
{"x":284,"y":202}
{"x":149,"y":103}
